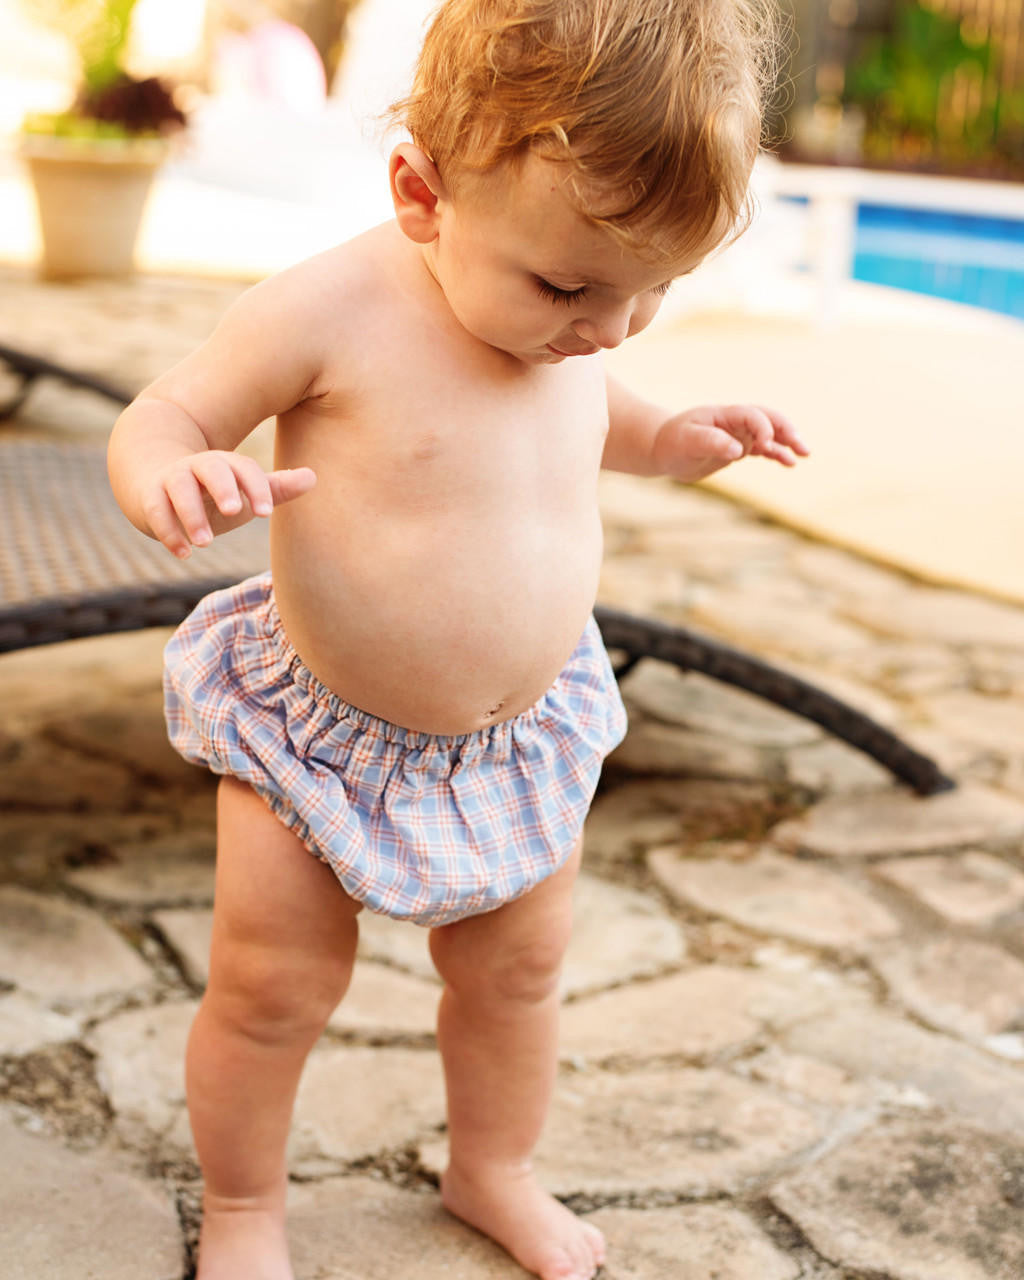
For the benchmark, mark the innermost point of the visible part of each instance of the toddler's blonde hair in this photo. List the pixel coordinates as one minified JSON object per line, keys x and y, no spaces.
{"x":656,"y":105}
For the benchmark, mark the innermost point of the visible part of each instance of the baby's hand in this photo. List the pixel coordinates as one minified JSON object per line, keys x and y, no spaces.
{"x":207,"y":493}
{"x":701,"y":441}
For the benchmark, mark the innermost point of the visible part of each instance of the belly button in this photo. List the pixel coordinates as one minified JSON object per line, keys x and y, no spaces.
{"x":494,"y":710}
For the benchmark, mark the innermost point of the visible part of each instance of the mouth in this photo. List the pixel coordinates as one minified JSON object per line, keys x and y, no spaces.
{"x":589,"y":352}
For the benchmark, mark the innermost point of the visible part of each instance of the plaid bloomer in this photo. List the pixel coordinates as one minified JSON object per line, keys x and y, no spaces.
{"x":417,"y":826}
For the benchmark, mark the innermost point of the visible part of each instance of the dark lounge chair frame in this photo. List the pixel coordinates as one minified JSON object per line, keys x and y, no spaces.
{"x":94,"y":574}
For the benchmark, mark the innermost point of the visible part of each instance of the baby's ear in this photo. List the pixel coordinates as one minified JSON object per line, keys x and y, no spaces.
{"x":416,"y":191}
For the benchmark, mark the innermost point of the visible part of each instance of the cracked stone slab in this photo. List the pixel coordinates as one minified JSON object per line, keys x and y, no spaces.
{"x":896,"y":821}
{"x":187,"y":931}
{"x":947,"y":617}
{"x":922,"y":1199}
{"x":80,"y":1217}
{"x":694,"y":1014}
{"x":27,"y":1025}
{"x":353,"y":1102}
{"x":1012,"y":779}
{"x":177,"y":867}
{"x":34,"y":846}
{"x":772,"y":626}
{"x":385,"y":1001}
{"x":693,"y":701}
{"x":638,"y":584}
{"x":911,"y":668}
{"x":43,"y":775}
{"x":834,"y":766}
{"x":654,"y":748}
{"x":688,"y":1242}
{"x":632,"y":817}
{"x":843,"y":573}
{"x":637,"y":815}
{"x":62,"y":952}
{"x":778,"y":896}
{"x":618,"y":933}
{"x":741,"y":552}
{"x":872,"y":1044}
{"x":654,"y":502}
{"x":129,"y":730}
{"x":141,"y":1068}
{"x":360,"y":1228}
{"x":972,"y":888}
{"x":808,"y":1078}
{"x":92,"y":672}
{"x":970,"y":988}
{"x":994,"y":722}
{"x":677,"y":1130}
{"x":396,"y":942}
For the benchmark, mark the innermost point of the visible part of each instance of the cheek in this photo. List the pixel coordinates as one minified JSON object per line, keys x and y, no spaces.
{"x":643,"y":314}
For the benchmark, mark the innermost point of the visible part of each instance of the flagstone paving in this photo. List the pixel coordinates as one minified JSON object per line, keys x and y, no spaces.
{"x":793,"y":1034}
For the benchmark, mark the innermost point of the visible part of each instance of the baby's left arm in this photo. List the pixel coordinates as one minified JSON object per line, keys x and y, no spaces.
{"x":645,"y":440}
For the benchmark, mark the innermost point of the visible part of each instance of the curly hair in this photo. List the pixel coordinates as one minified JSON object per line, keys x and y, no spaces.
{"x":656,"y":106}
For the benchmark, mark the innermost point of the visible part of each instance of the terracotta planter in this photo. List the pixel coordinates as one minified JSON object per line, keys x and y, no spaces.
{"x":90,"y":197}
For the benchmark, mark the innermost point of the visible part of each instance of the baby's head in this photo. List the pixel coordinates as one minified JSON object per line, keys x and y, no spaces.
{"x":653,"y":107}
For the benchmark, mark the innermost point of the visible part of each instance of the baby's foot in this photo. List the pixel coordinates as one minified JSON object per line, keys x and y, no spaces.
{"x":243,"y":1244}
{"x":542,"y":1235}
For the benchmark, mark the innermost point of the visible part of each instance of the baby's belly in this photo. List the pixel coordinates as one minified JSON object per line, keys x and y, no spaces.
{"x":436,"y":637}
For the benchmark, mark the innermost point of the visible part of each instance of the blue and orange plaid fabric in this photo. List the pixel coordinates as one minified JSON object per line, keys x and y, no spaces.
{"x":417,"y":826}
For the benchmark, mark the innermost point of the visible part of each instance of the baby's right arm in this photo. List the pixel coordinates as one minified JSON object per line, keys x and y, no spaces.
{"x":171,"y":457}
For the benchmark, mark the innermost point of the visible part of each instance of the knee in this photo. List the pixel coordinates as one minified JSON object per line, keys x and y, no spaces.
{"x":269,"y":1000}
{"x":529,"y":974}
{"x":526,"y":971}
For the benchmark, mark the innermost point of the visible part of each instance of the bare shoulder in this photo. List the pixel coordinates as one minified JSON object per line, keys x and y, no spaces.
{"x":327,"y":289}
{"x":328,"y":303}
{"x":283,"y":341}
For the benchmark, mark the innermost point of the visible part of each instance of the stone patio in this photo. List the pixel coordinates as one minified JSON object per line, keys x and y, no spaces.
{"x":793,"y":1043}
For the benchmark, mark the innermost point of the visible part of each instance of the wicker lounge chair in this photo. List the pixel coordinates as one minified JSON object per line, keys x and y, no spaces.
{"x":72,"y":566}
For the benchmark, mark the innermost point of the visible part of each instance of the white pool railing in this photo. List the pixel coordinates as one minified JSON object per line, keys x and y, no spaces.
{"x":833,"y":195}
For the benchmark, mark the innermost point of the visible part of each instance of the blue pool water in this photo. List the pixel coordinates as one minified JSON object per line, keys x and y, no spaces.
{"x":962,"y":257}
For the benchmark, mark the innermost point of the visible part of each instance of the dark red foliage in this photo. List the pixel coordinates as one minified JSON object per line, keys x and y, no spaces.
{"x":138,"y":106}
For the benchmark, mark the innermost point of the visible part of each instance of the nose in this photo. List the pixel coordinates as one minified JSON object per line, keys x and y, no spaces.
{"x":605,"y":328}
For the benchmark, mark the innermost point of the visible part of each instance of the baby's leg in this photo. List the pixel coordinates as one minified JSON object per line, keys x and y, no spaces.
{"x":284,"y":938}
{"x":498,"y":1033}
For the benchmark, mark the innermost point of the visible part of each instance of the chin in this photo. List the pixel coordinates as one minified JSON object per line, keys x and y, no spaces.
{"x":532,"y":355}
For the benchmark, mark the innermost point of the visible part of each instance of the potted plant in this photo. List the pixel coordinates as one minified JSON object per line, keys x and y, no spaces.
{"x":92,"y":164}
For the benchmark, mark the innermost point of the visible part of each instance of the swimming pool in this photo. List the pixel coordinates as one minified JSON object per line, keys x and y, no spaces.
{"x":964,"y":257}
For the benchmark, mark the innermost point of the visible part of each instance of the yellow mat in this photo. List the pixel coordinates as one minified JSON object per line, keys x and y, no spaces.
{"x":915,"y":420}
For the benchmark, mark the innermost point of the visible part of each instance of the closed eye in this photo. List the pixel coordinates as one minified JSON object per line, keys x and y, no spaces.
{"x":662,"y":289}
{"x":553,"y":294}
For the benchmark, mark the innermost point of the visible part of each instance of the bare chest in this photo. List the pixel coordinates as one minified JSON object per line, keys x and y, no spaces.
{"x":435,"y":432}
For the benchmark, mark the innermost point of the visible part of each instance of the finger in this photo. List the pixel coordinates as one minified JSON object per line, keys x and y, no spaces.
{"x":253,"y":483}
{"x":785,"y":432}
{"x":710,"y":444}
{"x":749,"y":424}
{"x":286,"y":485}
{"x":165,"y":525}
{"x":214,"y":472}
{"x":779,"y":453}
{"x":186,"y":498}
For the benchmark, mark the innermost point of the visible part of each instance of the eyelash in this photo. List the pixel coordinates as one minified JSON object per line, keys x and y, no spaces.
{"x":569,"y":296}
{"x":553,"y":294}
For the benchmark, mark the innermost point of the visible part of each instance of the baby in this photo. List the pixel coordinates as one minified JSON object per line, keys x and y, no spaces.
{"x":417,"y":693}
